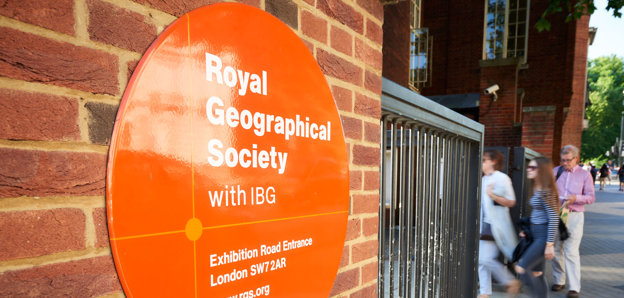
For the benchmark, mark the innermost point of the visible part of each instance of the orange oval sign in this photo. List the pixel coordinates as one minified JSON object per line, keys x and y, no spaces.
{"x":227,"y":172}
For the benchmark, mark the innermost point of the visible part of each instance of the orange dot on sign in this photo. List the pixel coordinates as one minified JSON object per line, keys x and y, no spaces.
{"x":193,"y":229}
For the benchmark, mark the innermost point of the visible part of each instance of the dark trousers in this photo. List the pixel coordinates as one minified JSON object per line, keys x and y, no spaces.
{"x":533,"y":261}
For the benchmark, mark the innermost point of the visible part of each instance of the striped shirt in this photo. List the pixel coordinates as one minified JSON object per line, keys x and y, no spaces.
{"x":542,"y":213}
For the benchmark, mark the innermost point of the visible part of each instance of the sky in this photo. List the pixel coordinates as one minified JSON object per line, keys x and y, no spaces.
{"x":610,"y":35}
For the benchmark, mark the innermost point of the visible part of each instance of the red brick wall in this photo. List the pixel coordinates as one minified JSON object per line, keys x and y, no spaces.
{"x":573,"y":123}
{"x":396,"y":42}
{"x":498,"y":116}
{"x":456,"y":28}
{"x":64,"y":65}
{"x":538,"y":129}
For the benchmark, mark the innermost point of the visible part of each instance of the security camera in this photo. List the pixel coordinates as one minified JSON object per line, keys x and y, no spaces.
{"x":492,"y":89}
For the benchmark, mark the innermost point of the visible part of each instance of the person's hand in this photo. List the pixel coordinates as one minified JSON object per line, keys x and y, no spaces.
{"x":522,"y":234}
{"x":570,"y":199}
{"x":549,"y":252}
{"x":489,"y":191}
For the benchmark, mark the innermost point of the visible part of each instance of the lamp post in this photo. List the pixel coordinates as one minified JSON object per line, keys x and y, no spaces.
{"x":620,"y":150}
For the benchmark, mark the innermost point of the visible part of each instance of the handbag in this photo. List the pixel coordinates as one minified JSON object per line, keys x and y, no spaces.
{"x":524,"y":242}
{"x":563,"y":231}
{"x":522,"y":246}
{"x":564,"y":211}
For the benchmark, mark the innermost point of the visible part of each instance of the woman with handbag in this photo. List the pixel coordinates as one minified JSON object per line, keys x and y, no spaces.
{"x":544,"y":224}
{"x":497,"y":230}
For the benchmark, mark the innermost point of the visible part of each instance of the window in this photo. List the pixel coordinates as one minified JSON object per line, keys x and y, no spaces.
{"x":506,"y":29}
{"x":420,"y":50}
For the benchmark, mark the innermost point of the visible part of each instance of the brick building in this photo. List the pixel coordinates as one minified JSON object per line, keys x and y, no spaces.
{"x":64,"y":65}
{"x":541,"y":75}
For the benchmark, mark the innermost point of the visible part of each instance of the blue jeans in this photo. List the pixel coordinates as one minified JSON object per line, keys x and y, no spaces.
{"x":533,"y":261}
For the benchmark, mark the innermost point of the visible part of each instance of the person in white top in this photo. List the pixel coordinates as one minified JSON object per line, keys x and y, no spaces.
{"x":497,"y":231}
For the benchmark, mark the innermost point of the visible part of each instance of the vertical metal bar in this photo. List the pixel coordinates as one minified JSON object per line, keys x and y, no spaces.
{"x":408,"y":207}
{"x":436,"y":221}
{"x":393,"y":157}
{"x":444,"y":280}
{"x":401,"y":207}
{"x":417,"y":209}
{"x":430,"y":213}
{"x":464,"y":221}
{"x":456,"y":198}
{"x":475,"y":164}
{"x":423,"y":220}
{"x":461,"y":212}
{"x":382,"y":209}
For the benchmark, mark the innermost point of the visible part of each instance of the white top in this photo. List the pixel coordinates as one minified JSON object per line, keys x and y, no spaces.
{"x":502,"y":187}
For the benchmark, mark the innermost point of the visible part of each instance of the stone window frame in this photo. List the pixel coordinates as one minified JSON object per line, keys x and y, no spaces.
{"x":421,"y":45}
{"x":511,"y":44}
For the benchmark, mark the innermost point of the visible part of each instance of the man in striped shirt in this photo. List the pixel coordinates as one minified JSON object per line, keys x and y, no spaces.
{"x":576,"y":187}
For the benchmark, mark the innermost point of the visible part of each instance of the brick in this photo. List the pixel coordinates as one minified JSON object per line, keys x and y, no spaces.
{"x":82,"y":278}
{"x":36,"y":116}
{"x":365,"y":204}
{"x":343,"y":13}
{"x":41,"y":173}
{"x":370,"y":226}
{"x":345,"y":281}
{"x":343,"y":98}
{"x":369,"y":272}
{"x":365,"y":156}
{"x":374,"y":32}
{"x":337,"y":67}
{"x":355,"y":180}
{"x":354,"y":227}
{"x":364,"y":250}
{"x":120,"y":27}
{"x":344,"y":260}
{"x":176,"y":7}
{"x":372,"y":132}
{"x":372,"y":82}
{"x":373,"y":7}
{"x":57,"y":15}
{"x":285,"y":10}
{"x":371,"y":180}
{"x":352,"y":127}
{"x":254,"y":3}
{"x":32,"y":58}
{"x":367,"y":106}
{"x":369,"y":55}
{"x":101,"y":228}
{"x":309,"y":45}
{"x":313,"y":26}
{"x":370,"y":291}
{"x":101,"y":121}
{"x":341,"y":40}
{"x":131,"y":65}
{"x":36,"y":233}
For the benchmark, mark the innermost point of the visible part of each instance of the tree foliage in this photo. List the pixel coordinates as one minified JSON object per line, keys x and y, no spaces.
{"x":605,"y":76}
{"x":575,"y":9}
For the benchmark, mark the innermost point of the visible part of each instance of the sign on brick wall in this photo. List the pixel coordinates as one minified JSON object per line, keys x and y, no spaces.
{"x":227,"y":173}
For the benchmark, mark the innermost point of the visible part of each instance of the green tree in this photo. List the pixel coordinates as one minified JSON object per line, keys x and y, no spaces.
{"x":606,"y":82}
{"x":575,"y":9}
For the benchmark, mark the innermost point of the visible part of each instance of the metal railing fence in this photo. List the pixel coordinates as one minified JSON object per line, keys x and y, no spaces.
{"x":429,"y":198}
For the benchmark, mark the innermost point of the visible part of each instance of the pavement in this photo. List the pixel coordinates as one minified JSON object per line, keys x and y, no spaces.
{"x":602,"y":248}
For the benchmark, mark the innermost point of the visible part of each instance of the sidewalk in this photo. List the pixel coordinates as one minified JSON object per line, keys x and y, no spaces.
{"x":602,"y":248}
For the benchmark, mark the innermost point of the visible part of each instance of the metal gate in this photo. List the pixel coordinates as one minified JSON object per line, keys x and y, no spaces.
{"x":429,"y":198}
{"x":522,"y":156}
